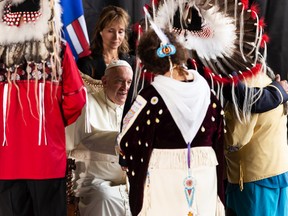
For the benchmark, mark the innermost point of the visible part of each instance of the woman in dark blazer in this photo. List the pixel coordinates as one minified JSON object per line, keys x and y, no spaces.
{"x":109,"y":42}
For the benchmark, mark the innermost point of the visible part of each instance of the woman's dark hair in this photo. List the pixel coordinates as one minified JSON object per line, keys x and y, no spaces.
{"x":147,"y":52}
{"x":107,"y":16}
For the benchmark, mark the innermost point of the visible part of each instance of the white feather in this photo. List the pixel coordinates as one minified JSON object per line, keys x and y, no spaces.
{"x":222,"y":41}
{"x":164,"y":39}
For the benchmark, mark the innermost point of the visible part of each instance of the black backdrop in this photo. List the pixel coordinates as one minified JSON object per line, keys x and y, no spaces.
{"x":92,"y":9}
{"x":275,"y":13}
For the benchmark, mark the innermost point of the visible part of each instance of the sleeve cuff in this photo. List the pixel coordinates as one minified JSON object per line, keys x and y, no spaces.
{"x":281,"y":91}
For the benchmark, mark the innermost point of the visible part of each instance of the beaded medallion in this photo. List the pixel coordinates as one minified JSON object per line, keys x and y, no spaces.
{"x":189,"y":184}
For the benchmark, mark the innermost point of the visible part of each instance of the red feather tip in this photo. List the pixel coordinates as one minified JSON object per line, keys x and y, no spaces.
{"x":232,"y":79}
{"x":245,"y":4}
{"x":265,"y":39}
{"x":254,"y":10}
{"x":137,"y":28}
{"x":225,"y":80}
{"x":155,"y":2}
{"x":261,"y":23}
{"x":251,"y":72}
{"x":193,"y":62}
{"x":140,"y":29}
{"x":148,"y":76}
{"x":147,"y":6}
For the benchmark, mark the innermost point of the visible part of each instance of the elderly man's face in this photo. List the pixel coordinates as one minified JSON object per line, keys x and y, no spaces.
{"x":117,"y":83}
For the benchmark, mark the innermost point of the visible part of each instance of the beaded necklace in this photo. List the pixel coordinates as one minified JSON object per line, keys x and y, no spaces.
{"x":14,"y":18}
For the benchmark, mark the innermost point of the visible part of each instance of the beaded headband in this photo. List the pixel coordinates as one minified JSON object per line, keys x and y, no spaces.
{"x":166,"y":48}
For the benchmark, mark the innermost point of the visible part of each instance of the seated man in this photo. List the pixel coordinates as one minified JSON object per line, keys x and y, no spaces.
{"x":100,"y":181}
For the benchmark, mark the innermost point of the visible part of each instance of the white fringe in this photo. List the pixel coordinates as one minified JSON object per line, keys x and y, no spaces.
{"x":177,"y":158}
{"x":41,"y":115}
{"x":87,"y":114}
{"x":256,"y":35}
{"x":235,"y":102}
{"x":4,"y":105}
{"x":242,"y":34}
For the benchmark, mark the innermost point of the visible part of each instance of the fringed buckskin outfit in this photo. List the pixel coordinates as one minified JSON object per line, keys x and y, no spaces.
{"x":228,"y":43}
{"x":257,"y":162}
{"x":154,"y":146}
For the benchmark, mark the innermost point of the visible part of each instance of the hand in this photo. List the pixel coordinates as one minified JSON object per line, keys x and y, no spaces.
{"x":283,"y":83}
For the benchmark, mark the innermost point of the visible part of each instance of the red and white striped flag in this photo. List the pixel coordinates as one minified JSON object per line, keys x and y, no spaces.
{"x":75,"y":29}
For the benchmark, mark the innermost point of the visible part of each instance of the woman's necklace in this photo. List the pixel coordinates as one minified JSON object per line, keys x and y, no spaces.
{"x":109,"y":58}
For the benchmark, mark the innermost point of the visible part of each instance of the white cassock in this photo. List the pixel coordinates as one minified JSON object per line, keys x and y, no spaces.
{"x":99,"y":179}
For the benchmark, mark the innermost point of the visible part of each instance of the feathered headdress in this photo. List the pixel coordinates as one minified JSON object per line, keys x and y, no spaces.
{"x":30,"y":33}
{"x":225,"y":36}
{"x":30,"y":46}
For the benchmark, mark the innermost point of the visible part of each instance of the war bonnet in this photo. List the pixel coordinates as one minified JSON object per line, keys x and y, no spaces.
{"x":225,"y":37}
{"x":30,"y":33}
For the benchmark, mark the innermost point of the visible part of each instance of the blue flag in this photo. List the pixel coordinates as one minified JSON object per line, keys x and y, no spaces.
{"x":74,"y":27}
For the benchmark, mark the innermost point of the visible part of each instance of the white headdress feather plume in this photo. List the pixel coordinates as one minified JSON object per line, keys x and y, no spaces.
{"x":164,"y":39}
